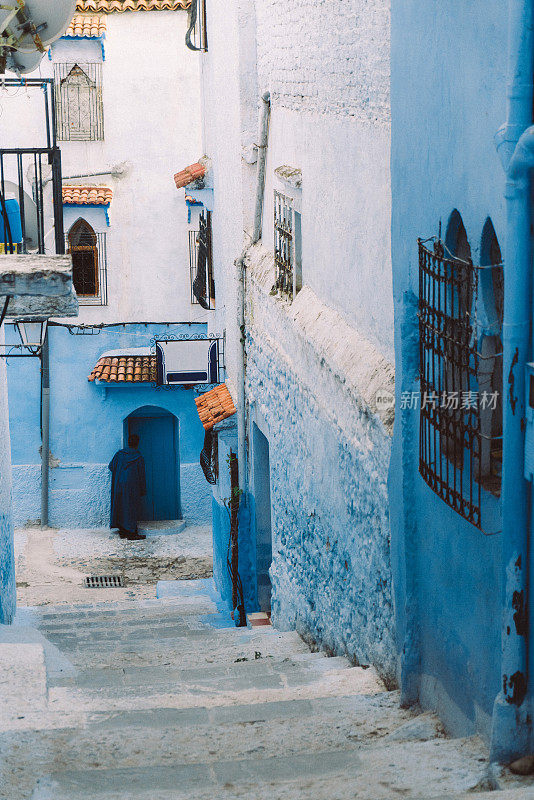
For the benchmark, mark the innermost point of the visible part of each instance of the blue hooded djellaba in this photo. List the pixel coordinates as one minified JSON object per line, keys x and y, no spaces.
{"x":128,"y":485}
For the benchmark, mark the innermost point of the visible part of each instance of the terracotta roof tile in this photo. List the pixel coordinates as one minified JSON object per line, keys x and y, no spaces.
{"x":87,"y":195}
{"x":124,"y":369}
{"x":189,"y":174}
{"x":214,"y":406}
{"x":110,"y":6}
{"x":86,"y":26}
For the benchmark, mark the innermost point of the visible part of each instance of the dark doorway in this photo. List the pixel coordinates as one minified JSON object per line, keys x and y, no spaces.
{"x":158,"y":433}
{"x":262,"y":495}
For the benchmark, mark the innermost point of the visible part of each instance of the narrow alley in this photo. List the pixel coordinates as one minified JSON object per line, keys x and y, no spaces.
{"x":152,"y":699}
{"x":266,"y":400}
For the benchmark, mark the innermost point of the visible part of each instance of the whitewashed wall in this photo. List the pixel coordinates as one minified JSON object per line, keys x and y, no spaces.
{"x":313,"y":367}
{"x":151,"y":95}
{"x":326,"y":65}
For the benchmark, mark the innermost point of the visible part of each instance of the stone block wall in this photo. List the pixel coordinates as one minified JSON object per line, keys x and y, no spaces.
{"x":312,"y":380}
{"x":324,"y":57}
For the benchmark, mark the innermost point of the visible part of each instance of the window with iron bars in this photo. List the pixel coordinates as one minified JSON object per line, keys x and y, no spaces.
{"x":89,"y":263}
{"x":459,"y":452}
{"x":287,"y":246}
{"x":196,"y":37}
{"x":78,"y":102}
{"x":201,"y":264}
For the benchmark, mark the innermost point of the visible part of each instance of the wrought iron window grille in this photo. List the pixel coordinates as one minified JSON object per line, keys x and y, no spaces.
{"x":287,"y":257}
{"x":201,"y":264}
{"x":78,"y":101}
{"x":457,"y":459}
{"x":89,"y":264}
{"x":196,"y":37}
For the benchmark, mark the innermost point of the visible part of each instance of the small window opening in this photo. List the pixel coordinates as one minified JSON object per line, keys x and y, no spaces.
{"x":201,"y":263}
{"x":287,"y":246}
{"x":78,"y":102}
{"x":84,"y":251}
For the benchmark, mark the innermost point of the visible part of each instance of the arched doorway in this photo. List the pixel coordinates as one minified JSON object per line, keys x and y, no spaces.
{"x":158,"y":432}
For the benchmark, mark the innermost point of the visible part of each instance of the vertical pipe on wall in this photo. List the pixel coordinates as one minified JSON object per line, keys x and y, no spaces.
{"x":265,"y":113}
{"x":45,"y":428}
{"x":240,"y":264}
{"x":515,"y":143}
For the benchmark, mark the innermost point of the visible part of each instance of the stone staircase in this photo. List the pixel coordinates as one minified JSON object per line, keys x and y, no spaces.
{"x":146,"y":700}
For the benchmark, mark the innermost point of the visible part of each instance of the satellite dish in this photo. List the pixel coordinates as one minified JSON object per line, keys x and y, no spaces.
{"x":23,"y":62}
{"x":35,"y":24}
{"x":45,"y":176}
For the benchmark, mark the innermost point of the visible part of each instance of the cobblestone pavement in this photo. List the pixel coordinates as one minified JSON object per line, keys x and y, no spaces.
{"x":149,"y":699}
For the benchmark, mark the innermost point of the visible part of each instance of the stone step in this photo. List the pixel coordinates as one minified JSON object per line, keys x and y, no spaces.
{"x":297,"y":682}
{"x":435,"y":769}
{"x":167,"y":527}
{"x":288,"y":671}
{"x":169,"y":735}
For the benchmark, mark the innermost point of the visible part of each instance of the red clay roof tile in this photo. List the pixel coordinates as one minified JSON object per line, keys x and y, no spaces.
{"x":214,"y":406}
{"x":123,"y":369}
{"x":87,"y":195}
{"x":86,"y":26}
{"x":109,"y":6}
{"x":189,"y":174}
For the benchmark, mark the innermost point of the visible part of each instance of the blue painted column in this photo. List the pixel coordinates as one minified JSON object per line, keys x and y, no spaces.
{"x":510,"y":731}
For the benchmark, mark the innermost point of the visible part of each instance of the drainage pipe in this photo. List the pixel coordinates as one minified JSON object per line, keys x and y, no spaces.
{"x":265,"y":113}
{"x":515,"y":144}
{"x":241,"y":275}
{"x":45,"y":428}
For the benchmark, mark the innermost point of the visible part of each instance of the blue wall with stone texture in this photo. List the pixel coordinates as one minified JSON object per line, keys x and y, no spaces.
{"x":448,"y":100}
{"x":328,"y":462}
{"x":86,"y":428}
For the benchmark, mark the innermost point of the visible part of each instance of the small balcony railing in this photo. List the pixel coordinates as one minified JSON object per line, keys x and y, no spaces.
{"x":31,"y":210}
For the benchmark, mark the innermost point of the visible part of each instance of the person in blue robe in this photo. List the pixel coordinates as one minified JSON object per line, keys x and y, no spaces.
{"x":128,"y":485}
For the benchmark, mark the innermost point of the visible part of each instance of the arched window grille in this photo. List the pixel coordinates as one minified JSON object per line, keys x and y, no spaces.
{"x":460,"y":431}
{"x":78,"y":101}
{"x":490,"y":377}
{"x":89,"y":271}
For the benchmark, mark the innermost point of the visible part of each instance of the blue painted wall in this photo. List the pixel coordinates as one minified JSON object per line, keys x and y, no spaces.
{"x":7,"y":558}
{"x":86,"y":428}
{"x":227,"y":440}
{"x":448,"y":83}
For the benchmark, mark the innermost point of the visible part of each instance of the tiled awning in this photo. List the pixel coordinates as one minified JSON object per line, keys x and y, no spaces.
{"x":86,"y":26}
{"x":128,"y":367}
{"x":189,"y":174}
{"x":87,"y":195}
{"x":109,"y":6}
{"x":214,"y":406}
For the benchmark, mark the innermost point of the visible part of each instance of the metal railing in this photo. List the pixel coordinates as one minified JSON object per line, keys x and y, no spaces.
{"x":201,"y":264}
{"x":78,"y":101}
{"x":89,"y":268}
{"x":459,"y":452}
{"x":30,"y":186}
